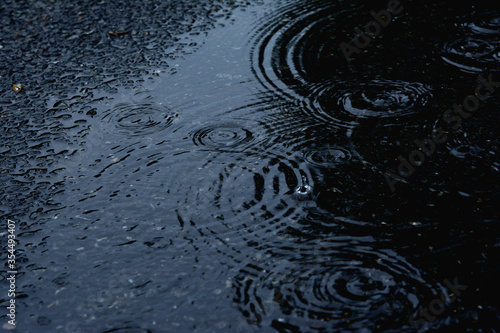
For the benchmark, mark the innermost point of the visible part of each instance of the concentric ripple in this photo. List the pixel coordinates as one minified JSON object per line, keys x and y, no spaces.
{"x":487,"y":24}
{"x":476,"y":47}
{"x":374,"y":99}
{"x":327,"y":157}
{"x":254,"y":198}
{"x":139,"y":119}
{"x":339,"y":283}
{"x":288,"y":53}
{"x":472,"y":54}
{"x":223,"y":136}
{"x":298,"y":58}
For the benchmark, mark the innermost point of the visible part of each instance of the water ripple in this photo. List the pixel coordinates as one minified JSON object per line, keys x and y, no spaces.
{"x":472,"y":54}
{"x":298,"y":59}
{"x":285,"y":49}
{"x":476,"y":47}
{"x":222,"y":136}
{"x":374,"y":99}
{"x":487,"y":24}
{"x":247,"y":196}
{"x":327,"y":157}
{"x":137,"y":119}
{"x":465,"y":151}
{"x":338,"y":283}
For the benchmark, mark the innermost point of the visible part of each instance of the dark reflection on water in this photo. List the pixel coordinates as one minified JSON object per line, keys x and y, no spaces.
{"x":206,"y":166}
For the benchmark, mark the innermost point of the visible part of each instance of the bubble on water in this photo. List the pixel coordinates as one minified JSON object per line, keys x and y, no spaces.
{"x":303,"y":192}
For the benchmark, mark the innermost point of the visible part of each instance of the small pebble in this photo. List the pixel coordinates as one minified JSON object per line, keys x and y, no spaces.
{"x":17,"y":87}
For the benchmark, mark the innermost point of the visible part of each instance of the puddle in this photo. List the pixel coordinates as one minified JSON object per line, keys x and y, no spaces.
{"x":204,"y":166}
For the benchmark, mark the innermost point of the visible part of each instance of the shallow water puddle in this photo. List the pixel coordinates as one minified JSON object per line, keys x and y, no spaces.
{"x":229,"y":175}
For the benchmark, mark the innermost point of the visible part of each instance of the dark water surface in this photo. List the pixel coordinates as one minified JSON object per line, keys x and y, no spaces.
{"x":218,"y":166}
